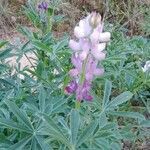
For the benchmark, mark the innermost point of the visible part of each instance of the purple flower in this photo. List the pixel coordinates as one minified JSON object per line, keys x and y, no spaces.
{"x":88,"y":50}
{"x":43,"y":6}
{"x":71,"y":88}
{"x":83,"y":91}
{"x":92,"y":70}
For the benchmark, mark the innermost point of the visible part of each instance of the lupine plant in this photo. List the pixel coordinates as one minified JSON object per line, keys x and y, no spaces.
{"x":38,"y":112}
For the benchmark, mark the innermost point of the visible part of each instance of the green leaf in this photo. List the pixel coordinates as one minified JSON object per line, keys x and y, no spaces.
{"x":103,"y":120}
{"x":13,"y":125}
{"x":134,"y":115}
{"x":116,"y":146}
{"x":145,"y":123}
{"x":41,"y":46}
{"x":42,"y":98}
{"x":9,"y":82}
{"x":102,"y":143}
{"x":110,"y":126}
{"x":2,"y":43}
{"x":32,"y":15}
{"x":58,"y":103}
{"x":60,"y":45}
{"x":87,"y":133}
{"x":5,"y":53}
{"x":107,"y":92}
{"x":3,"y":67}
{"x":34,"y":145}
{"x":58,"y":18}
{"x":25,"y":31}
{"x":55,"y":131}
{"x":21,"y":144}
{"x":122,"y":98}
{"x":74,"y":125}
{"x":21,"y":116}
{"x":42,"y":143}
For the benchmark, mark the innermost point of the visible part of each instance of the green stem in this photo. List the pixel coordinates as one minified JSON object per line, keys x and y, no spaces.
{"x":82,"y":78}
{"x":83,"y":71}
{"x":77,"y":104}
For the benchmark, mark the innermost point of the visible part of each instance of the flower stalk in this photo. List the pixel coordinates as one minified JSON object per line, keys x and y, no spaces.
{"x":88,"y":51}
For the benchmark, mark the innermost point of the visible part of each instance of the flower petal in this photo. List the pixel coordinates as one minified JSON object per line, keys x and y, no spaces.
{"x":87,"y":97}
{"x":78,"y":32}
{"x":98,"y":55}
{"x":74,"y":45}
{"x":98,"y":71}
{"x":76,"y":61}
{"x":83,"y":55}
{"x":73,"y":72}
{"x":105,"y":37}
{"x":95,"y":36}
{"x":101,"y":46}
{"x":71,"y":88}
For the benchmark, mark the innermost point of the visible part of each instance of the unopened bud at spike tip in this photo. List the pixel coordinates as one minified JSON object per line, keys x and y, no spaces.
{"x":95,"y":19}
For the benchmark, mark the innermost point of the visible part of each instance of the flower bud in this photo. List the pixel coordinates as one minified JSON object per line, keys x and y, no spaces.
{"x":95,"y":19}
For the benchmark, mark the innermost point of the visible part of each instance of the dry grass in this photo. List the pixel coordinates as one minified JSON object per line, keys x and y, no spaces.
{"x":11,"y":15}
{"x":128,"y":13}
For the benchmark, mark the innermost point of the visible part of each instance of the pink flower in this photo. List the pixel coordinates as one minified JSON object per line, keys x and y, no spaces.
{"x":83,"y":29}
{"x":88,"y":50}
{"x":75,"y":46}
{"x":92,"y":70}
{"x":83,"y":92}
{"x":104,"y":37}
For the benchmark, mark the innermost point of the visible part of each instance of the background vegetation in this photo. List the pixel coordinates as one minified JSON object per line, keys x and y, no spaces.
{"x":34,"y":111}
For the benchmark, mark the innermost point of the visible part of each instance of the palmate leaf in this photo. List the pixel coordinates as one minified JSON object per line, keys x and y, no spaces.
{"x":34,"y":144}
{"x":55,"y":131}
{"x":21,"y":116}
{"x":87,"y":133}
{"x":74,"y":125}
{"x":13,"y":125}
{"x":21,"y":144}
{"x":58,"y":105}
{"x":44,"y":146}
{"x":122,"y":98}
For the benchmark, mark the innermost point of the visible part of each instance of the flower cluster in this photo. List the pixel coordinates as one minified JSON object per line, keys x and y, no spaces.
{"x":88,"y":50}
